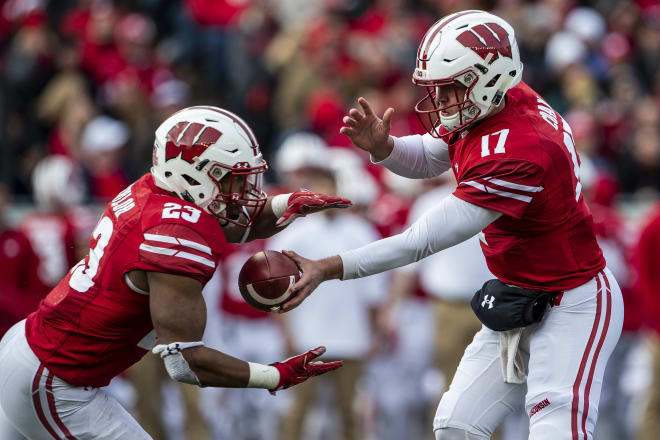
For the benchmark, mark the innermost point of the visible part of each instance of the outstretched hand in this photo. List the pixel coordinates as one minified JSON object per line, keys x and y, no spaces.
{"x":303,"y":202}
{"x":367,"y":131}
{"x":299,"y":368}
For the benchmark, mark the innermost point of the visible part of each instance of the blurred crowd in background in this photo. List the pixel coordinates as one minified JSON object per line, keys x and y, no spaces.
{"x":84,"y":84}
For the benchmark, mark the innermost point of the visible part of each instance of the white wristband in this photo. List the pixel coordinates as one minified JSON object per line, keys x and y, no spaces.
{"x":263,"y":376}
{"x":279,"y":203}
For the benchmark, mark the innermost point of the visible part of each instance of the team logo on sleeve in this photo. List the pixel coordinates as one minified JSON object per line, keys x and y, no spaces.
{"x":189,"y":140}
{"x":489,"y":41}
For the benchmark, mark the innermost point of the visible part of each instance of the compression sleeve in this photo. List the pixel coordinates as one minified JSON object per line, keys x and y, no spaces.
{"x":417,"y":157}
{"x":451,"y":222}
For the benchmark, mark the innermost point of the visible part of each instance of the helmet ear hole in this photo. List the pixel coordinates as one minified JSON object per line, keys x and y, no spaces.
{"x":493,"y":81}
{"x":190,"y":180}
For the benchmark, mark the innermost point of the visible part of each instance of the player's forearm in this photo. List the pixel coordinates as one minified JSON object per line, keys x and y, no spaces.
{"x":216,"y":369}
{"x":416,"y":157}
{"x":448,"y":224}
{"x":264,"y":226}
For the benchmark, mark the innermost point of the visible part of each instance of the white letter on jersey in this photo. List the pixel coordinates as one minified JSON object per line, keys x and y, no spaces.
{"x":82,"y":276}
{"x":547,"y":113}
{"x":123,"y":202}
{"x":499,"y":148}
{"x":570,"y":146}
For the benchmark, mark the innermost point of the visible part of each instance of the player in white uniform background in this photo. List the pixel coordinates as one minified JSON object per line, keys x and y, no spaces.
{"x":343,"y":317}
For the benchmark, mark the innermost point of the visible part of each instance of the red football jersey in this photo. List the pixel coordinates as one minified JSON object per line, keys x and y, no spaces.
{"x":92,"y":325}
{"x":231,"y":301}
{"x":522,"y":162}
{"x":52,"y":237}
{"x":19,"y":266}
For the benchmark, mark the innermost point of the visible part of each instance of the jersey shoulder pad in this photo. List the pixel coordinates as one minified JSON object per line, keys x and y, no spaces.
{"x":178,"y":237}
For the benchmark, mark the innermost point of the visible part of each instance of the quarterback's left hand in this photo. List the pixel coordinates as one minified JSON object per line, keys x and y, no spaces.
{"x":301,"y":203}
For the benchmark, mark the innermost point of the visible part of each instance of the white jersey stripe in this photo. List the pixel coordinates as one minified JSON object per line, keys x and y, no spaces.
{"x":175,"y":253}
{"x":491,"y":190}
{"x":197,"y":246}
{"x":193,"y":257}
{"x":514,"y":185}
{"x":157,"y":250}
{"x":162,"y":238}
{"x":167,"y":239}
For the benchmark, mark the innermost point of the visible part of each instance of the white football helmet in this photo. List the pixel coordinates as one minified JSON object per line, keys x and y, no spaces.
{"x":473,"y":48}
{"x":58,"y":183}
{"x":210,"y":157}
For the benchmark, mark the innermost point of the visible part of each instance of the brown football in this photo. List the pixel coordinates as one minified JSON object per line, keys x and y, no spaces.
{"x":265,"y":279}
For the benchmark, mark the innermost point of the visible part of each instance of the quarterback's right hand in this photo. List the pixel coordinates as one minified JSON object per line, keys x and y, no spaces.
{"x":368,"y":131}
{"x":299,"y":368}
{"x":314,"y":272}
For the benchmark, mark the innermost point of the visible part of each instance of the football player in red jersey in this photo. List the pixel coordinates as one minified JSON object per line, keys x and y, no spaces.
{"x":519,"y":189}
{"x":157,"y":243}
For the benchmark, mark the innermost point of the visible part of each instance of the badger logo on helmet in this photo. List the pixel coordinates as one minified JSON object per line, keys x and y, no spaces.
{"x":473,"y":54}
{"x":208,"y":156}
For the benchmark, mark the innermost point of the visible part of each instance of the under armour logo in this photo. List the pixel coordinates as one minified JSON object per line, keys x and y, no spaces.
{"x":173,"y":350}
{"x":488,"y":299}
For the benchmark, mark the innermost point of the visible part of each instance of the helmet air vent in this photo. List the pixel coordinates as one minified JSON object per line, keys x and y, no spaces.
{"x":190,"y":180}
{"x":202,"y":164}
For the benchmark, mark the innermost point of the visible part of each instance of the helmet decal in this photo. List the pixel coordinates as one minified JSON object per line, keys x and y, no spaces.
{"x":487,"y":40}
{"x":183,"y":139}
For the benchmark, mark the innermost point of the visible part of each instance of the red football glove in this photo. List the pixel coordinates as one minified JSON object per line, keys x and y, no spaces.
{"x":298,"y":369}
{"x":301,"y":203}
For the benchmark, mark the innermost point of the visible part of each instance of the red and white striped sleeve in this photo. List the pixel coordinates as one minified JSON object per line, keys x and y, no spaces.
{"x":177,"y":249}
{"x":507,"y":186}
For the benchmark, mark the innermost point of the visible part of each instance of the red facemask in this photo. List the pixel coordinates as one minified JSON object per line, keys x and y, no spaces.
{"x":429,"y":108}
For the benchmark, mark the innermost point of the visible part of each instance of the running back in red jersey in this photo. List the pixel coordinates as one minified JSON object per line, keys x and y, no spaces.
{"x":522,"y":162}
{"x":94,"y":324}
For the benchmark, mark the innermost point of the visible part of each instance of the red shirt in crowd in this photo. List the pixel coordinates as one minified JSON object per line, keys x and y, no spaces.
{"x":19,"y":266}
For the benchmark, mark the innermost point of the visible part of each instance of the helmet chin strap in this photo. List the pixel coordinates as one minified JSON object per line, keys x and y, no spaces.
{"x":247,"y":230}
{"x":450,"y":122}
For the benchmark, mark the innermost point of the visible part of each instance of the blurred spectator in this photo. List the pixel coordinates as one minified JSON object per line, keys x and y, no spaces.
{"x":19,"y":264}
{"x":340,"y":318}
{"x":59,"y":229}
{"x":448,"y":280}
{"x":648,"y":266}
{"x":242,"y":331}
{"x":148,"y":377}
{"x":102,"y":142}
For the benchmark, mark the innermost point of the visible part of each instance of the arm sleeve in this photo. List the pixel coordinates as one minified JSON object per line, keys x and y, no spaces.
{"x":446,"y":225}
{"x":507,"y":186}
{"x":417,"y":157}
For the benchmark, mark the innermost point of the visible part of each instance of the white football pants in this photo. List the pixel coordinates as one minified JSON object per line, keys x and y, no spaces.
{"x":568,"y":350}
{"x":43,"y":407}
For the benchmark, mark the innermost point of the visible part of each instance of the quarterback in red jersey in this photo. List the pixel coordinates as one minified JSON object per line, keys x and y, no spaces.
{"x":519,"y":189}
{"x":158,"y":242}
